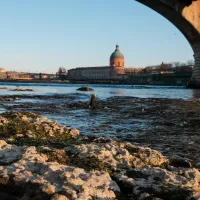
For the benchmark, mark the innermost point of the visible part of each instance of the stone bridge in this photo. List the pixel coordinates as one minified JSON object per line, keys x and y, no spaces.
{"x":185,"y":15}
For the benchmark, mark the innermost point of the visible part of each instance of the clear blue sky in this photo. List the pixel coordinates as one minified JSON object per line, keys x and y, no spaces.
{"x":41,"y":35}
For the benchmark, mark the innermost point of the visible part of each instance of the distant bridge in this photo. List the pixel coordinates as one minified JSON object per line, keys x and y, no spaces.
{"x":185,"y":15}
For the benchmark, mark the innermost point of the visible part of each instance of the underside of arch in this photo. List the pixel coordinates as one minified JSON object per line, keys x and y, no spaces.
{"x":185,"y":15}
{"x":175,"y":17}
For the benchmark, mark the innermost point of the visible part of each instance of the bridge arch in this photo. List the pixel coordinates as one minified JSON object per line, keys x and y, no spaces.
{"x":185,"y":15}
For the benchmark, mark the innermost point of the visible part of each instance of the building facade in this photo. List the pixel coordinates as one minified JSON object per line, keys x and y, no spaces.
{"x":114,"y":71}
{"x":88,"y":73}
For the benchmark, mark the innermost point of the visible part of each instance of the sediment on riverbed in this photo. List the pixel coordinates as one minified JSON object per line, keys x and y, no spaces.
{"x":41,"y":159}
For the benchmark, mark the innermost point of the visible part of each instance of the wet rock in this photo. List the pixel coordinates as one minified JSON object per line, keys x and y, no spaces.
{"x":85,"y":89}
{"x":178,"y":161}
{"x":92,"y":103}
{"x":78,"y":105}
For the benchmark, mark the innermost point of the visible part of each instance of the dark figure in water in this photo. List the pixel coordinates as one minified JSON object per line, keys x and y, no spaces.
{"x":92,"y":101}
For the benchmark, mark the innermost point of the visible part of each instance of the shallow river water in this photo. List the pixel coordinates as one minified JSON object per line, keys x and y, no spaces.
{"x":104,"y":91}
{"x":102,"y":122}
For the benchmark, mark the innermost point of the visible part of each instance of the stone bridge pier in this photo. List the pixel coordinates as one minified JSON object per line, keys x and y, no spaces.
{"x":185,"y":15}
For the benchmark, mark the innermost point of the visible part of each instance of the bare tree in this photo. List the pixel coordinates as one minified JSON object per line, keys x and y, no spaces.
{"x":61,"y":70}
{"x":176,"y":64}
{"x":62,"y":73}
{"x":190,"y":62}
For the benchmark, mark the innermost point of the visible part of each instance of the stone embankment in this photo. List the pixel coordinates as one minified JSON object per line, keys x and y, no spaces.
{"x":57,"y":163}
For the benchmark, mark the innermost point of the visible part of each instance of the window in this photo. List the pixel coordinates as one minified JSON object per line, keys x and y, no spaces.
{"x":119,"y":64}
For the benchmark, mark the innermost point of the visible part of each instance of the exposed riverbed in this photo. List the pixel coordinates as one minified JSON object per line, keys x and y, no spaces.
{"x":100,"y":153}
{"x":170,"y":125}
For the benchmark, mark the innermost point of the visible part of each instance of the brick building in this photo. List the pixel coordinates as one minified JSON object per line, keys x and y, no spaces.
{"x":114,"y":70}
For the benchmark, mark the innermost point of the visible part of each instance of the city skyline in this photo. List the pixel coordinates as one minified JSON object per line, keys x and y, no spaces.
{"x":41,"y":37}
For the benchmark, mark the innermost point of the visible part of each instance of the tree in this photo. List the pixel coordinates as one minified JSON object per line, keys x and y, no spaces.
{"x":62,"y":73}
{"x":165,"y":67}
{"x":176,"y":64}
{"x":190,"y":62}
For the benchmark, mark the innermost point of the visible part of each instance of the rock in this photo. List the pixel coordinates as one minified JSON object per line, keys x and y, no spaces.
{"x":160,"y":183}
{"x":178,"y":161}
{"x":30,"y":134}
{"x":114,"y":156}
{"x":2,"y":144}
{"x":55,"y":155}
{"x":74,"y":132}
{"x":19,"y":135}
{"x":102,"y":140}
{"x":9,"y":153}
{"x":34,"y":127}
{"x":85,"y":89}
{"x":49,"y":189}
{"x":92,"y":103}
{"x":33,"y":170}
{"x":197,"y":164}
{"x":148,"y":156}
{"x":21,"y":89}
{"x":80,"y":171}
{"x":59,"y":197}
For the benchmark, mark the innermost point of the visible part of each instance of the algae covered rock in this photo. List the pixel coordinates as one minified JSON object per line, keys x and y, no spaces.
{"x":114,"y":155}
{"x":24,"y":127}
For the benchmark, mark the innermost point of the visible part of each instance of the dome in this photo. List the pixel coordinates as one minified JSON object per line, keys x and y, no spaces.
{"x":116,"y":54}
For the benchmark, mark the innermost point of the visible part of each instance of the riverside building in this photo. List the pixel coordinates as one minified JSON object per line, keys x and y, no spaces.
{"x":115,"y":69}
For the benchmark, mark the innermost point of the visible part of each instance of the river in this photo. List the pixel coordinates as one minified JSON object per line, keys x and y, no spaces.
{"x":56,"y":101}
{"x":103,"y":91}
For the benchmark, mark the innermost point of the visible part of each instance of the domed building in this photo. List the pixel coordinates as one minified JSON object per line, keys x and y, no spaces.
{"x":114,"y":71}
{"x":117,"y":61}
{"x":117,"y":58}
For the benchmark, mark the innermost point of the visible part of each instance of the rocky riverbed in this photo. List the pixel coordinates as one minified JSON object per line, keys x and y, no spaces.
{"x":169,"y":126}
{"x":124,"y":148}
{"x":41,"y":159}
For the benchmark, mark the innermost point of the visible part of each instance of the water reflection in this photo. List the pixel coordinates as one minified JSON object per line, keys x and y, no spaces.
{"x":118,"y":92}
